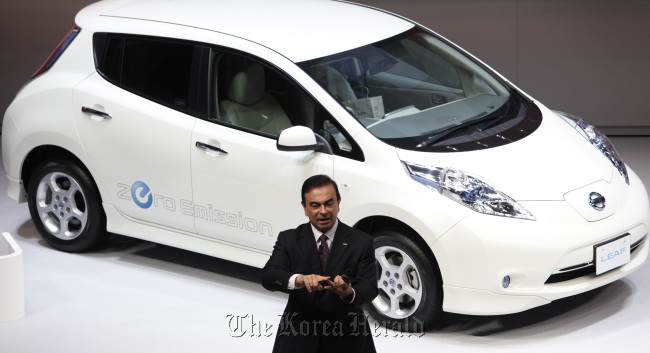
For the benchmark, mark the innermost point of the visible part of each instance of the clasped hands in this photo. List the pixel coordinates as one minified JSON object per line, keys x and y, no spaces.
{"x":315,"y":282}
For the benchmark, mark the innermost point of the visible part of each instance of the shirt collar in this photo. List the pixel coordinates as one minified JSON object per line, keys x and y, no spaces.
{"x":329,"y":234}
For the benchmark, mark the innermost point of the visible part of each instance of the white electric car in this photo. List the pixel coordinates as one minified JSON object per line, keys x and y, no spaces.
{"x":194,"y":123}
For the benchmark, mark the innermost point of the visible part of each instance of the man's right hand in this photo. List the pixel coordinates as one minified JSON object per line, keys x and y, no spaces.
{"x":311,"y":282}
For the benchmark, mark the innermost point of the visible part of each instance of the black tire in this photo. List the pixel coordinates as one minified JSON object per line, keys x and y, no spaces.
{"x":66,"y":207}
{"x":409,"y":283}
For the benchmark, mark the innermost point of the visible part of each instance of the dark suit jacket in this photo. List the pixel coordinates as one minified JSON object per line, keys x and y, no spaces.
{"x":321,"y":318}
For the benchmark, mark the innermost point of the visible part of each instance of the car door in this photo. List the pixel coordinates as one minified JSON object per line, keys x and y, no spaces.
{"x":245,"y":190}
{"x":134,"y":117}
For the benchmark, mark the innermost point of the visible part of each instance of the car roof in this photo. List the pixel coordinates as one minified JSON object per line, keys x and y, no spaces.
{"x":298,"y":29}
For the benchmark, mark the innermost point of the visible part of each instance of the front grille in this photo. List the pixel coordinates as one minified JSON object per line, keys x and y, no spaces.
{"x":573,"y":272}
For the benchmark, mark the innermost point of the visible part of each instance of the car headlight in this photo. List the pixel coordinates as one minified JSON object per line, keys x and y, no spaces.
{"x":468,"y":191}
{"x":598,"y":140}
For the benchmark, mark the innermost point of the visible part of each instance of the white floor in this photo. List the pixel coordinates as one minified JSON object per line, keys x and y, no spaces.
{"x":136,"y":296}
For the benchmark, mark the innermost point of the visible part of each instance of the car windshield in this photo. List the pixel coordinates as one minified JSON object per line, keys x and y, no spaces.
{"x":413,"y":90}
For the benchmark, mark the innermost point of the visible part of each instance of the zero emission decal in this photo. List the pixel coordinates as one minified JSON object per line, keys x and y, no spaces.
{"x":144,"y":191}
{"x":144,"y":198}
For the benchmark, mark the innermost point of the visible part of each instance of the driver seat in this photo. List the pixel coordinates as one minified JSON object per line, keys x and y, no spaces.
{"x":334,"y":82}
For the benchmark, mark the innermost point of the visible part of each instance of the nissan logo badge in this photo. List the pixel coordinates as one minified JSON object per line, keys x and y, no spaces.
{"x":597,"y":201}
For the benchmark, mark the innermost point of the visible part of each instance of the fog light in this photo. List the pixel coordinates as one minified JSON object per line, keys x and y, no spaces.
{"x":505,"y":282}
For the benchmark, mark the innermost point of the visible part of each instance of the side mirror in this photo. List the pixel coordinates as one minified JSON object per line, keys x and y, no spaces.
{"x":301,"y":138}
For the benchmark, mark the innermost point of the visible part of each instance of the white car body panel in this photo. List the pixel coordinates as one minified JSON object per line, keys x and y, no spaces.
{"x":162,"y":135}
{"x":250,"y":193}
{"x":121,"y":224}
{"x":380,"y":186}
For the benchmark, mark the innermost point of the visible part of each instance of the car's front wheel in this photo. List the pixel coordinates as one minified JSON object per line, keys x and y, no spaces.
{"x":409,"y":283}
{"x":66,"y":207}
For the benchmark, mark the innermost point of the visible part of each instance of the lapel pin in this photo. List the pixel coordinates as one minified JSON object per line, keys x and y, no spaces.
{"x":344,"y":244}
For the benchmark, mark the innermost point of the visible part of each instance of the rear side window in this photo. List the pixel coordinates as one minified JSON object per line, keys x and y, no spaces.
{"x":157,"y":69}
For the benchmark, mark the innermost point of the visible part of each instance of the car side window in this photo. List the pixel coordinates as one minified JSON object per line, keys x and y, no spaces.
{"x":249,"y":94}
{"x":154,"y":68}
{"x":254,"y":96}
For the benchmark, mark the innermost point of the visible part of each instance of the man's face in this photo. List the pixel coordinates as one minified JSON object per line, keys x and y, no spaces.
{"x":322,"y":207}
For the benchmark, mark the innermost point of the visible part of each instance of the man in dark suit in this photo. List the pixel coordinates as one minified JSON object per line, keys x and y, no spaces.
{"x":329,"y":271}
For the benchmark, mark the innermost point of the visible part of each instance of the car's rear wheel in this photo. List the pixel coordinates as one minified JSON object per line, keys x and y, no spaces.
{"x":409,"y":283}
{"x":66,"y":207}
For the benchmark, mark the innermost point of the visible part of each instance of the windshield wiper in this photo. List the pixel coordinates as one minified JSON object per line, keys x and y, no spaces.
{"x":495,"y":121}
{"x":441,"y":135}
{"x":505,"y":116}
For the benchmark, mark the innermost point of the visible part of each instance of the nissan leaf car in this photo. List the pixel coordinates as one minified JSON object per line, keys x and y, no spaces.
{"x":194,"y":124}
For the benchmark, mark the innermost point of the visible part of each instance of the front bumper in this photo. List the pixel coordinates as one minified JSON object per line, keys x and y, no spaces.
{"x":479,"y":251}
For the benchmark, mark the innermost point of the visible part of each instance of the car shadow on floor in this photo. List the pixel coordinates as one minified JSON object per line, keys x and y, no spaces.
{"x":187,"y":259}
{"x":146,"y":253}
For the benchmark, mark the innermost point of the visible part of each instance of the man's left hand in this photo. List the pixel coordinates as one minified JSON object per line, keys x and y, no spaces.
{"x":338,"y":286}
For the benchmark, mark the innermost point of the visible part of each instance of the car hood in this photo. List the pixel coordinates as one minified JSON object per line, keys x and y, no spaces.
{"x":545,"y":165}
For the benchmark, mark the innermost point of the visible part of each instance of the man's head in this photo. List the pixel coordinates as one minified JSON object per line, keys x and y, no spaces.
{"x":320,"y":200}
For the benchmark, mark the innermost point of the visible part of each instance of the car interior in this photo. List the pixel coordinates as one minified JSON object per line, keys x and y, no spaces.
{"x":254,"y":96}
{"x":250,"y":106}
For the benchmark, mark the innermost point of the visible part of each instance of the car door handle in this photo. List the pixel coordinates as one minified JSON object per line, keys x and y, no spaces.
{"x":96,"y":114}
{"x":209,"y":148}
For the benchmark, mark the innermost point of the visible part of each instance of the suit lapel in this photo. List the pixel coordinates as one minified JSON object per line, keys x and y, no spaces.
{"x":308,"y":248}
{"x":340,"y":245}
